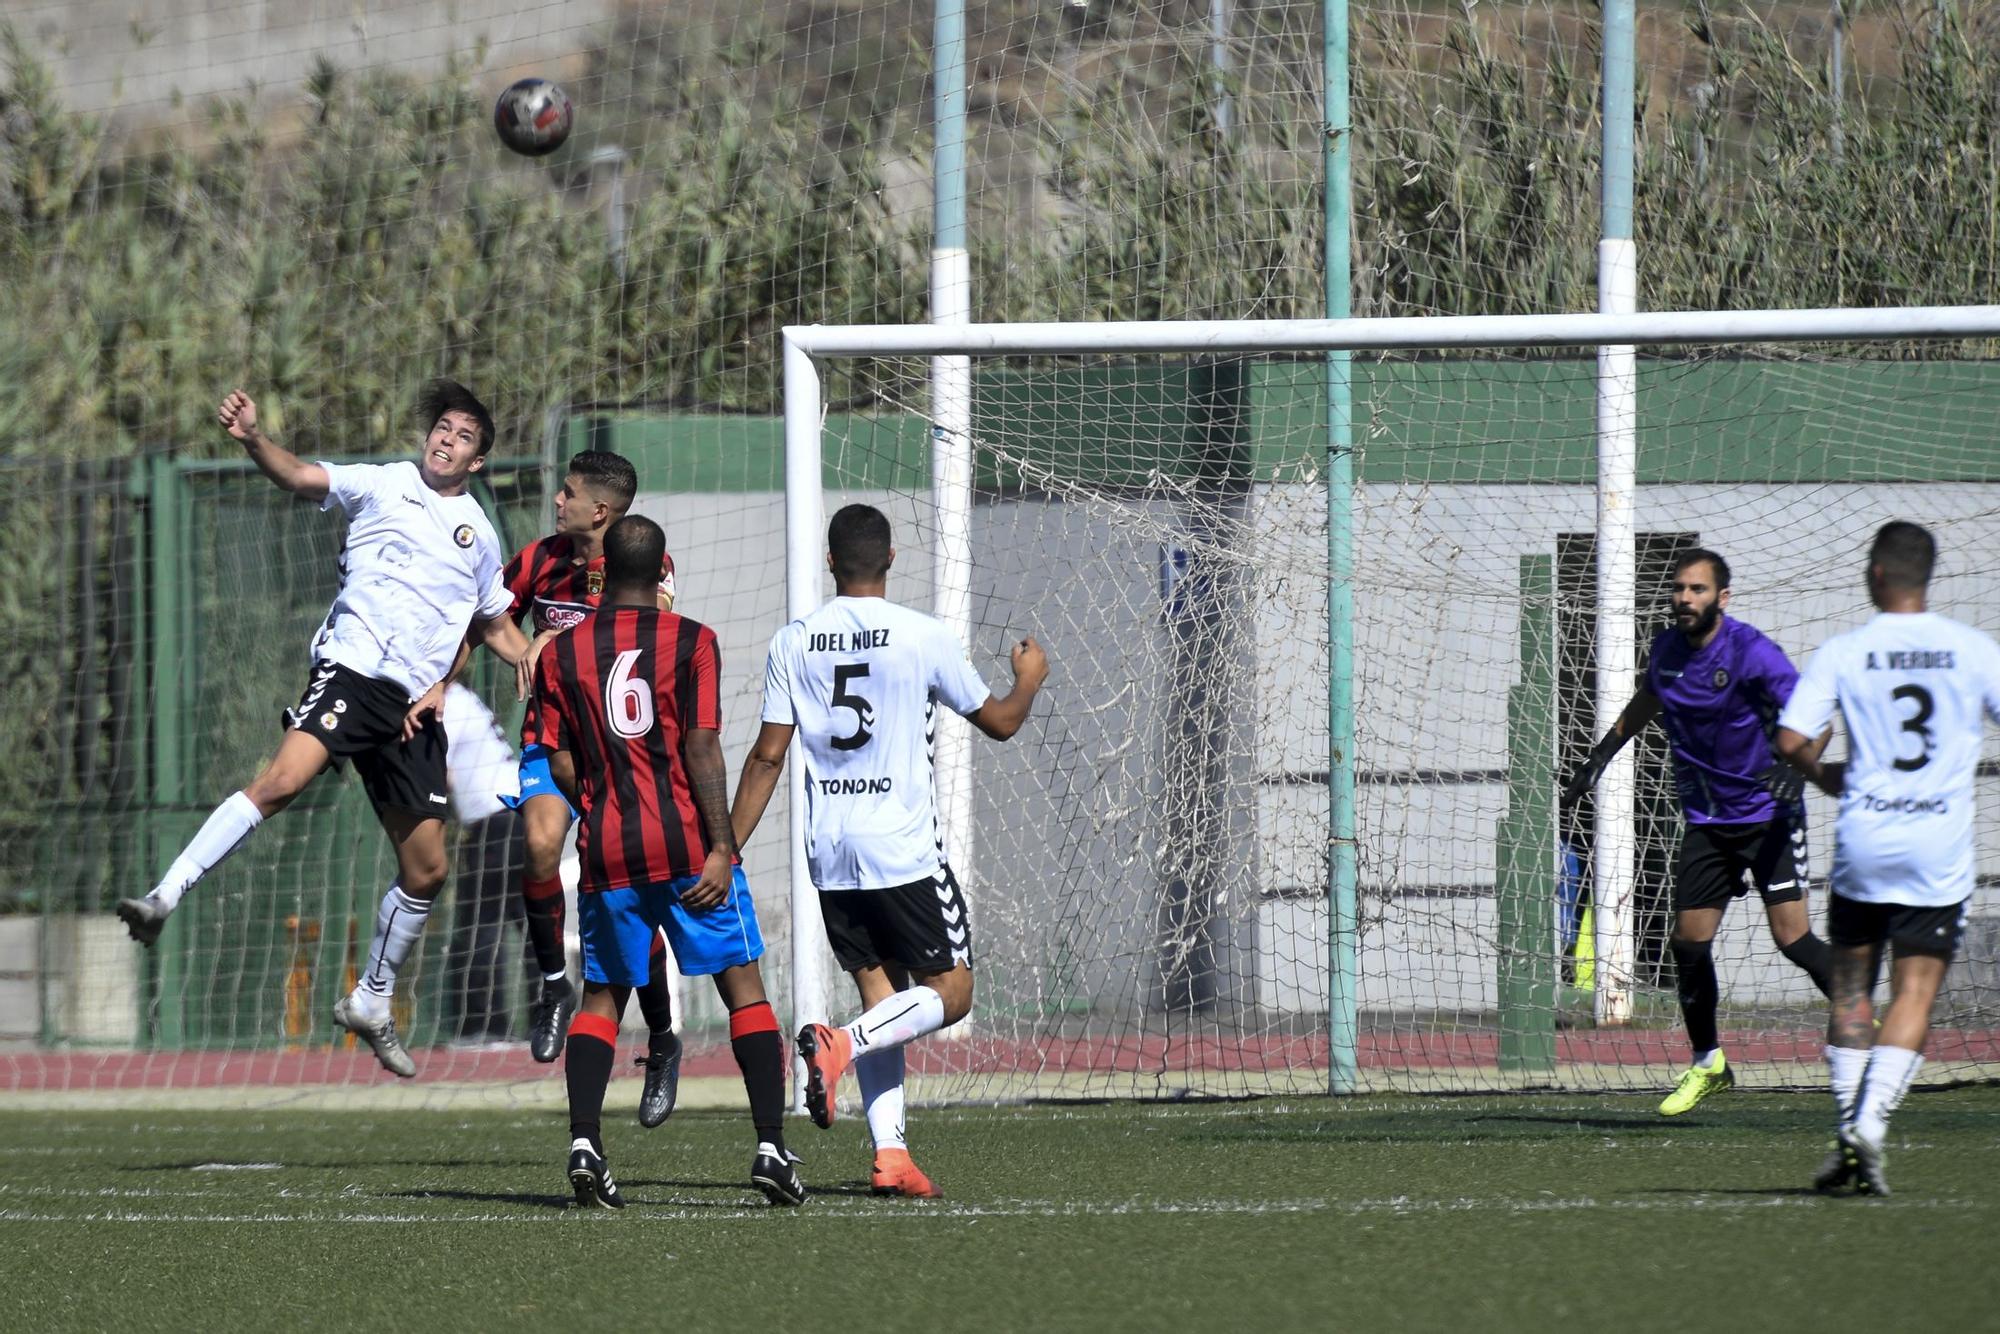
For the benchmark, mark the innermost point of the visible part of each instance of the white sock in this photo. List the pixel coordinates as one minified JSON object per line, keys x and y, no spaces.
{"x":904,"y":1017}
{"x":880,"y":1074}
{"x":1845,"y":1066}
{"x":1890,"y":1071}
{"x":398,"y":922}
{"x":226,"y":827}
{"x":1705,"y":1060}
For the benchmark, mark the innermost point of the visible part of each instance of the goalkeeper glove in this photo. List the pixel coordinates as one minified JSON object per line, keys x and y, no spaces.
{"x":1785,"y":784}
{"x":1592,"y":768}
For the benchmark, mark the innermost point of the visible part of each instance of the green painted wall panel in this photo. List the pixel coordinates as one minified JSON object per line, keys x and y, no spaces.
{"x":1459,"y":421}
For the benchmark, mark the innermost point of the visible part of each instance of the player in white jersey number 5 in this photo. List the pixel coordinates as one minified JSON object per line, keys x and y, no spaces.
{"x":860,"y":680}
{"x":1914,"y":689}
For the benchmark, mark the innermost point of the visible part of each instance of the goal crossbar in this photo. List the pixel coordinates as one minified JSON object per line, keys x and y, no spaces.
{"x":1400,"y":334}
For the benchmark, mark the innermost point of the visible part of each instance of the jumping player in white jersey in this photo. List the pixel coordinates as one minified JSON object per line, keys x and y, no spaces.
{"x":1914,"y":689}
{"x":420,"y":567}
{"x":861,"y":679}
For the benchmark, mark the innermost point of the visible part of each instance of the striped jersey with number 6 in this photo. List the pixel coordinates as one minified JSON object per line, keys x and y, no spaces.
{"x":861,"y":679}
{"x":619,"y":692}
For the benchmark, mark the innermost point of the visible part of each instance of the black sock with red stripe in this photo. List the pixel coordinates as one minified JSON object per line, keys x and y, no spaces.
{"x":656,"y":1000}
{"x":544,"y":902}
{"x":593,"y":1044}
{"x":760,"y":1055}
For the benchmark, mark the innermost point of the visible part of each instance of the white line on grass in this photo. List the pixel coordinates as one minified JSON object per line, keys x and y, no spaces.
{"x":1394,"y":1207}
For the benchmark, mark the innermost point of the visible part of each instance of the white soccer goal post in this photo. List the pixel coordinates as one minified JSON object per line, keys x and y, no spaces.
{"x":1154,"y":905}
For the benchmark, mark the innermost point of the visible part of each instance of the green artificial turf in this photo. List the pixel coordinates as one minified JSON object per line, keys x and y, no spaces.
{"x":1463,"y":1213}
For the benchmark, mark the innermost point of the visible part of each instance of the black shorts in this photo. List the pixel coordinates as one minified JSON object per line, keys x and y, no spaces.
{"x":922,"y":926}
{"x":360,"y":718}
{"x":1720,"y":862}
{"x":1910,"y":928}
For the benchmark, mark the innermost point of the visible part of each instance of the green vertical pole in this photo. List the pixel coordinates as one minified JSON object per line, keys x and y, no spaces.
{"x":1527,"y":856}
{"x":168,"y":723}
{"x":1343,"y":917}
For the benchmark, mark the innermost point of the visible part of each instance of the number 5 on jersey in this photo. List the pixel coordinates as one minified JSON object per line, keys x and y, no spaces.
{"x":628,"y":699}
{"x":843,"y":698}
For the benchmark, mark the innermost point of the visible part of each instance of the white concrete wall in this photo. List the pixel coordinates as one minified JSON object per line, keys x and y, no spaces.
{"x":1437,"y":648}
{"x":1063,"y":881}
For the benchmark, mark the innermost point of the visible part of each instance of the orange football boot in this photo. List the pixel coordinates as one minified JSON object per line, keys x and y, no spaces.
{"x":826,"y":1052}
{"x":895,"y":1174}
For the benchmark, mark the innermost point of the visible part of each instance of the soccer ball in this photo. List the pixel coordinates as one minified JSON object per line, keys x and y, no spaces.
{"x":533,"y":117}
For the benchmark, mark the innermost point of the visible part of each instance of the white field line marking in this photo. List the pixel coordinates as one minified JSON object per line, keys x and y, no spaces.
{"x":237,"y":1167}
{"x":110,"y":1193}
{"x":1395,"y":1207}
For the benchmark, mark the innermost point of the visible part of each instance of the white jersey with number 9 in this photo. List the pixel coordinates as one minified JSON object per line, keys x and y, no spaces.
{"x":861,"y":678}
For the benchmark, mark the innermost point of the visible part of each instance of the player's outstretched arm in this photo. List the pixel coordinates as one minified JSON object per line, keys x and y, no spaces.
{"x":1645,"y":707}
{"x":1002,"y":717}
{"x":238,"y":416}
{"x":501,"y":635}
{"x":759,"y":779}
{"x":1803,"y":753}
{"x":708,"y":783}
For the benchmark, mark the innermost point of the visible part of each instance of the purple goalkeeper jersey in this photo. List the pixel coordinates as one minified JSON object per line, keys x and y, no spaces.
{"x":1720,"y":708}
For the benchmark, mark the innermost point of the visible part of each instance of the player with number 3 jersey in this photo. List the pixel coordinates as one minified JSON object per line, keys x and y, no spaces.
{"x":1915,"y":690}
{"x":860,"y":681}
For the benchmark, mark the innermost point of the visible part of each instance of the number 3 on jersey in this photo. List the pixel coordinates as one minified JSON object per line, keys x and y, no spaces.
{"x":1918,"y":723}
{"x":843,"y":698}
{"x":628,"y":699}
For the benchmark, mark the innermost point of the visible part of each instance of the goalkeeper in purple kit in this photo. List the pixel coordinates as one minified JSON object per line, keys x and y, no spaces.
{"x":1717,"y":686}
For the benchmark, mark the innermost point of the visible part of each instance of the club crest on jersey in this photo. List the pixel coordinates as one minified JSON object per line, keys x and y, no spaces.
{"x":1721,"y":678}
{"x":593,"y":582}
{"x":462,"y":535}
{"x":329,"y":721}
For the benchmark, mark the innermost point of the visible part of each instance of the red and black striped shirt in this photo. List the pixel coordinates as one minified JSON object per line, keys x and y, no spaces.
{"x":620,"y":692}
{"x":556,"y":592}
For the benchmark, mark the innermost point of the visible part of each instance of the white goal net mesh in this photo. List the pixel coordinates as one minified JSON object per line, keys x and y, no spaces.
{"x":1148,"y":866}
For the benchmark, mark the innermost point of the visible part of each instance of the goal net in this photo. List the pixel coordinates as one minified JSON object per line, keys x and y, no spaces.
{"x":1148,"y":868}
{"x":1148,"y":863}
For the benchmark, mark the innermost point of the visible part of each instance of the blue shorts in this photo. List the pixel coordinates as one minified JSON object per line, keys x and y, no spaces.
{"x":617,"y":927}
{"x":536,"y":780}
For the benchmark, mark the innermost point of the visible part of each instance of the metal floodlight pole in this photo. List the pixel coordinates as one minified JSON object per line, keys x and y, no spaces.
{"x":1613,"y":859}
{"x":951,"y":422}
{"x":1342,"y":861}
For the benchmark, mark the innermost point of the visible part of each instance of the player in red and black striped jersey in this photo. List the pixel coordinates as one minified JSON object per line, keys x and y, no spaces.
{"x":556,"y":584}
{"x":628,"y":707}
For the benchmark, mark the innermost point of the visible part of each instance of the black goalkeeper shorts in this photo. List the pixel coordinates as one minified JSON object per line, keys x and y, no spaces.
{"x":1719,"y":862}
